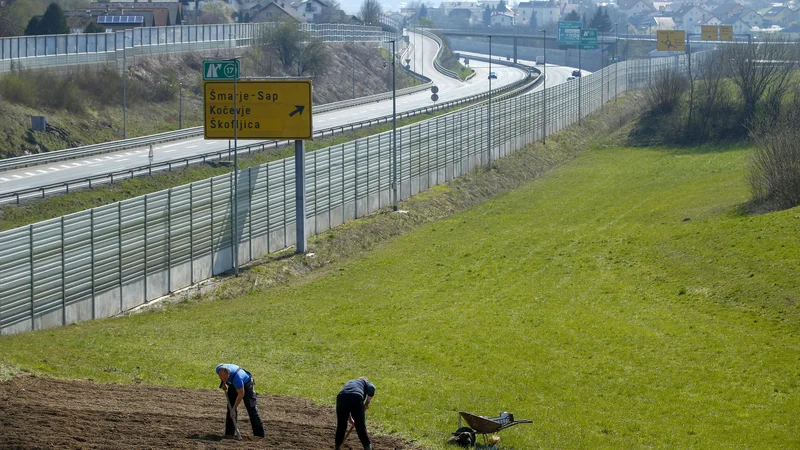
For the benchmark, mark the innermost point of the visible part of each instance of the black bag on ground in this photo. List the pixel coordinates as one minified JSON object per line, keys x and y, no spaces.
{"x":463,"y":437}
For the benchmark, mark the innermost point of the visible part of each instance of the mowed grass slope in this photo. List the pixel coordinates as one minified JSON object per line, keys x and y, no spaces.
{"x":585,"y":301}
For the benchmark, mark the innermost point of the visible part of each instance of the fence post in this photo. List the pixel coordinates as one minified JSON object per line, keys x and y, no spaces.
{"x":145,"y":248}
{"x":63,"y":278}
{"x":119,"y":248}
{"x":169,"y":240}
{"x":91,"y":248}
{"x":30,"y":247}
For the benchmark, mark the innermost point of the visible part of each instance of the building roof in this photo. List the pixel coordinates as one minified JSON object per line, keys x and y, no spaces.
{"x":625,"y":5}
{"x":288,"y":10}
{"x":173,"y":7}
{"x":774,"y":11}
{"x":727,"y":9}
{"x":733,"y":20}
{"x":686,"y":8}
{"x":663,"y":21}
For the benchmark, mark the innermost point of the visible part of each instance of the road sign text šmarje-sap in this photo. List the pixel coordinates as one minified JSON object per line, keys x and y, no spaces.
{"x":265,"y":109}
{"x":671,"y":40}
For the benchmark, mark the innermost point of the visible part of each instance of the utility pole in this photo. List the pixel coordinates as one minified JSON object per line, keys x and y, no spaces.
{"x":124,"y":86}
{"x":544,"y":89}
{"x":616,"y":62}
{"x":395,"y":186}
{"x":490,"y":102}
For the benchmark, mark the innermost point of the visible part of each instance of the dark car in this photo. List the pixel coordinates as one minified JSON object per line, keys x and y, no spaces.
{"x":576,"y":73}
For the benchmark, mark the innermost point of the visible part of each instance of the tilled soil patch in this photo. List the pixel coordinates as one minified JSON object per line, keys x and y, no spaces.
{"x":49,"y":413}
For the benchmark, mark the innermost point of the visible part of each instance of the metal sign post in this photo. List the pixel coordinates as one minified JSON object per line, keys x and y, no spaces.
{"x":258,"y":109}
{"x":588,"y":42}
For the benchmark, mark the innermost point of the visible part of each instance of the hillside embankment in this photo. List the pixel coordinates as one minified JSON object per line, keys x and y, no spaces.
{"x":85,"y":106}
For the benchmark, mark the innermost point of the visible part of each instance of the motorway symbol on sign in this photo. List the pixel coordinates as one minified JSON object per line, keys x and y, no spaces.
{"x":588,"y":39}
{"x":709,"y":33}
{"x":671,"y":40}
{"x":221,"y":70}
{"x":569,"y":33}
{"x":726,"y":32}
{"x":265,"y":109}
{"x":434,"y":97}
{"x":435,"y":89}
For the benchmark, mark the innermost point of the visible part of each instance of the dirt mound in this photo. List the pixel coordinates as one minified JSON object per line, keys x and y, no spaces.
{"x":49,"y":413}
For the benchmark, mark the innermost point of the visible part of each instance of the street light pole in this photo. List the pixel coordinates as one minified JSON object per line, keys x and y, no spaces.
{"x":180,"y":106}
{"x":616,"y":61}
{"x":395,"y":186}
{"x":544,"y":89}
{"x":490,"y":102}
{"x":354,"y":77}
{"x":124,"y":86}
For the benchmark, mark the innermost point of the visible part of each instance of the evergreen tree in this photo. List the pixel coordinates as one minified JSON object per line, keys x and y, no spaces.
{"x":606,"y":24}
{"x":53,"y":21}
{"x":585,"y":22}
{"x":33,"y":27}
{"x":533,"y":19}
{"x":573,"y":16}
{"x":423,"y":11}
{"x":501,"y":7}
{"x":597,"y":18}
{"x":487,"y":15}
{"x":93,"y":27}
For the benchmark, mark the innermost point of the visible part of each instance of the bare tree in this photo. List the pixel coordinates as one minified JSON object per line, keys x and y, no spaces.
{"x":762,"y":71}
{"x":370,"y":12}
{"x":715,"y":107}
{"x":775,"y":162}
{"x":315,"y":58}
{"x":666,"y":89}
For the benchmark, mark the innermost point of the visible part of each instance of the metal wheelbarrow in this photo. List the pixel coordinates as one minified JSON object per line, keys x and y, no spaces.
{"x":486,"y":425}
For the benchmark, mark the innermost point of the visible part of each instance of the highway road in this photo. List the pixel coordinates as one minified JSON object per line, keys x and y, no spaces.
{"x":57,"y":172}
{"x":555,"y":74}
{"x":422,"y":58}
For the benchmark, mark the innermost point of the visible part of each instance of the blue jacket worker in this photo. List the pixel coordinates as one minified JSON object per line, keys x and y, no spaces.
{"x":353,"y":402}
{"x":238,"y":384}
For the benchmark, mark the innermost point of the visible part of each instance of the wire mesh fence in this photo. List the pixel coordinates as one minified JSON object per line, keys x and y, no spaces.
{"x":107,"y":260}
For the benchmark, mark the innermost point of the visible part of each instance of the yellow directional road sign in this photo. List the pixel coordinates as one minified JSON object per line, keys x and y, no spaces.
{"x":726,"y":32}
{"x":671,"y":40}
{"x":709,"y":33}
{"x":265,"y":109}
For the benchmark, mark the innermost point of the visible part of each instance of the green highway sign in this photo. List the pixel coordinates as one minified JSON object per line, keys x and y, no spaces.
{"x":588,"y":39}
{"x":221,"y":69}
{"x":569,"y":33}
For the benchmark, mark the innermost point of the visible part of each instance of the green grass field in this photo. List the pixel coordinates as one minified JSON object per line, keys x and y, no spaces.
{"x":621,"y":301}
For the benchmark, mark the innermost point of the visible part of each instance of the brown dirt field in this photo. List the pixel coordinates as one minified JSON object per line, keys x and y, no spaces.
{"x":40,"y":412}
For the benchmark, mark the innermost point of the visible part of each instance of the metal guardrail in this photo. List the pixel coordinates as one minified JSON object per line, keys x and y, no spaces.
{"x":146,"y":170}
{"x":96,"y":149}
{"x":440,"y":68}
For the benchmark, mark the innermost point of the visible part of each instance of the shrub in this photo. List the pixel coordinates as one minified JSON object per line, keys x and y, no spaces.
{"x":775,"y":162}
{"x":19,"y":89}
{"x":665,"y":91}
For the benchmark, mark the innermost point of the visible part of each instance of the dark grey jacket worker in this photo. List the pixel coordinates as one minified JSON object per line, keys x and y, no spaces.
{"x":353,"y":401}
